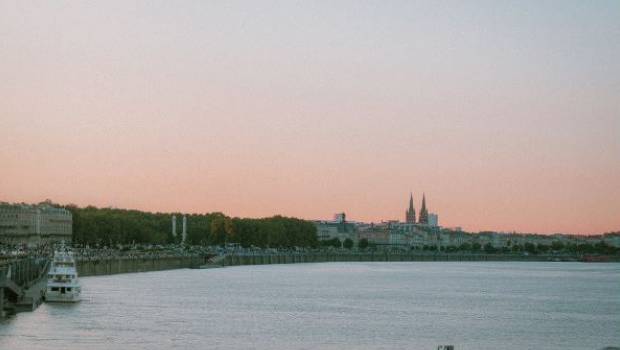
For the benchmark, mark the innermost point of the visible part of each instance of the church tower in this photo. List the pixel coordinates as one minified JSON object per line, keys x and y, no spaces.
{"x":423,"y":211}
{"x":410,"y":214}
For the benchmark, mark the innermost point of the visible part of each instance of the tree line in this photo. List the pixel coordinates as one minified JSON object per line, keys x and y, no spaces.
{"x":533,"y":248}
{"x":109,"y":226}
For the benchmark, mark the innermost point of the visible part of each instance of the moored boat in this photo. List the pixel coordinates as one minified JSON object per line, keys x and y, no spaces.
{"x":62,"y":279}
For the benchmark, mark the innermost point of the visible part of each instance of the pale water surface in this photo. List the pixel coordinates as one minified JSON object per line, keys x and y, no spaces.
{"x":413,"y":305}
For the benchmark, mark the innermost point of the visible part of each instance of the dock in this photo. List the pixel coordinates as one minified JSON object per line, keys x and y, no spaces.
{"x":22,"y":284}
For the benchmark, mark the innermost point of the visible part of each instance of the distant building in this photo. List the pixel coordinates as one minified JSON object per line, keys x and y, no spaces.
{"x":433,"y":219}
{"x":338,"y":228}
{"x":377,"y":234}
{"x":412,"y":233}
{"x":454,"y":238}
{"x":340,"y":218}
{"x":612,"y":238}
{"x":399,"y":235}
{"x":34,"y":224}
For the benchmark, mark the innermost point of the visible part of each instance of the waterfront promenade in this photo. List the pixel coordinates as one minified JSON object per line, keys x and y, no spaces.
{"x":261,"y":258}
{"x":106,"y":261}
{"x":111,"y":264}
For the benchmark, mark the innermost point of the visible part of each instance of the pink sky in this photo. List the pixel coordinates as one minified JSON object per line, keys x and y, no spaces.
{"x":507,"y":115}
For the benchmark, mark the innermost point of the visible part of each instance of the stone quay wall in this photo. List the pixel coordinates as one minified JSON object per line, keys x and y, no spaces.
{"x":109,"y":266}
{"x":98,"y":267}
{"x":292,"y":258}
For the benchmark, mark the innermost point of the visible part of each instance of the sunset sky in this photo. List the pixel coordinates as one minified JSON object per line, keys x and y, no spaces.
{"x":505,"y":113}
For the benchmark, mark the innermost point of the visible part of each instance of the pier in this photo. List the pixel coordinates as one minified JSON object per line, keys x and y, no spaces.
{"x":22,"y":284}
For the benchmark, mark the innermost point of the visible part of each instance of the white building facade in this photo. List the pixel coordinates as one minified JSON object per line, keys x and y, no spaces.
{"x":34,"y":224}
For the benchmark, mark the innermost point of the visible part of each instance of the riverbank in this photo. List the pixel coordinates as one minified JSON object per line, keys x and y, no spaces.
{"x":312,"y":257}
{"x":110,"y":266}
{"x":98,"y":267}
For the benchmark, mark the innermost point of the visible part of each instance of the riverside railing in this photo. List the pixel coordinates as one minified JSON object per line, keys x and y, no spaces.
{"x":23,"y":271}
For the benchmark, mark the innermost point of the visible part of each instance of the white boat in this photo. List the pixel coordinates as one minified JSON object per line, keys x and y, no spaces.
{"x":62,"y":279}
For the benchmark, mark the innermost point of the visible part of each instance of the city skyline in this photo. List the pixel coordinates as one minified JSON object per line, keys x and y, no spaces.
{"x":506,"y":114}
{"x":432,"y":219}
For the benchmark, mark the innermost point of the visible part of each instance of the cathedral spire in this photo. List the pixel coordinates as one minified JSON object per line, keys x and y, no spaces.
{"x":410,"y":214}
{"x":423,"y":211}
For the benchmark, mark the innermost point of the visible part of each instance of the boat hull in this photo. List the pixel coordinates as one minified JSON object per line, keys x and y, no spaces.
{"x":57,"y":297}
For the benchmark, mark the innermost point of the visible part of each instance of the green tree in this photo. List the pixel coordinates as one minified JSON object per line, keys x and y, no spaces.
{"x":218,"y":231}
{"x":363,"y":243}
{"x":603,"y":248}
{"x":108,"y":226}
{"x":334,"y":242}
{"x":530,"y":248}
{"x":489,"y":249}
{"x":451,"y":249}
{"x":557,"y":246}
{"x":465,"y":247}
{"x":348,"y":243}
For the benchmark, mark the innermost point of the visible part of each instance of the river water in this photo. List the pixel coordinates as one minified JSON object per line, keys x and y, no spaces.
{"x":412,"y":305}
